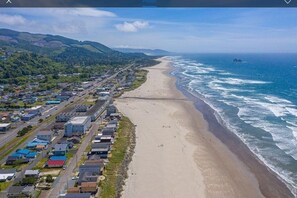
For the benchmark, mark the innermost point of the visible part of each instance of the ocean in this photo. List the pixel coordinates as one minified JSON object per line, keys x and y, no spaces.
{"x":255,"y":98}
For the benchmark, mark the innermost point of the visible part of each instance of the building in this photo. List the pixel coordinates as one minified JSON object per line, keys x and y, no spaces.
{"x":111,"y":109}
{"x":102,"y":149}
{"x":35,"y":110}
{"x":87,"y":177}
{"x":20,"y":191}
{"x":108,"y":131}
{"x":4,"y":127}
{"x":95,"y":168}
{"x":73,"y":190}
{"x":37,"y":144}
{"x":81,"y":108}
{"x":60,"y":149}
{"x":7,"y":174}
{"x":77,"y":126}
{"x":28,"y":117}
{"x":97,"y":109}
{"x":74,"y":140}
{"x":64,"y":117}
{"x":32,"y":173}
{"x":45,"y":135}
{"x":57,"y":157}
{"x":76,"y":195}
{"x":88,"y":187}
{"x":53,"y":102}
{"x":55,"y":163}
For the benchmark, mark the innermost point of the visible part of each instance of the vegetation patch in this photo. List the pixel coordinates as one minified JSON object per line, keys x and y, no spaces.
{"x":140,"y":78}
{"x":4,"y":185}
{"x":116,"y":170}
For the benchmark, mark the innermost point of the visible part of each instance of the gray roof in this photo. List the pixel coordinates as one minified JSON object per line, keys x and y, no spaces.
{"x":15,"y":189}
{"x":61,"y":147}
{"x":31,"y":172}
{"x":87,"y":177}
{"x":44,"y":133}
{"x":101,"y":145}
{"x":76,"y":195}
{"x":7,"y":171}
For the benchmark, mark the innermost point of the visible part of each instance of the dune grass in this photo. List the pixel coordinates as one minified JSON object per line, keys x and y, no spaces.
{"x":116,"y":170}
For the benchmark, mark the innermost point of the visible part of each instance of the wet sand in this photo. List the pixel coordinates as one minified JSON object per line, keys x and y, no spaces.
{"x":178,"y":154}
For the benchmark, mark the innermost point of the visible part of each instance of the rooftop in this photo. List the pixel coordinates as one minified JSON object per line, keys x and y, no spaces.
{"x":61,"y":147}
{"x":4,"y":124}
{"x":78,"y":120}
{"x":44,"y":133}
{"x":31,"y":172}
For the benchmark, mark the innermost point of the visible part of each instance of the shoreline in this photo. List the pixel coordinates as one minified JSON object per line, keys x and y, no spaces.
{"x":270,"y":184}
{"x":202,"y":159}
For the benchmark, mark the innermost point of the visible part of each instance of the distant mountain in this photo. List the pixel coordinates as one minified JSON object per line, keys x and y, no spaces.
{"x":149,"y":52}
{"x":24,"y":54}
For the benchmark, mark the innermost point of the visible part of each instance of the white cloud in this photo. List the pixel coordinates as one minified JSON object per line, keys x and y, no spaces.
{"x":88,"y":12}
{"x":12,"y":19}
{"x":132,"y":27}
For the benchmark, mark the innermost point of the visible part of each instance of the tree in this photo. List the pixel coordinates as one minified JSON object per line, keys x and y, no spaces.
{"x":49,"y":179}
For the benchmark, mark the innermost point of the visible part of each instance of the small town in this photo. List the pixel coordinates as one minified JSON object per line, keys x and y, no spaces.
{"x":59,"y":142}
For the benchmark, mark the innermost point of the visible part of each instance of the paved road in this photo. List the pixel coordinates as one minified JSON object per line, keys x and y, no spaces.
{"x":54,"y":111}
{"x":60,"y":186}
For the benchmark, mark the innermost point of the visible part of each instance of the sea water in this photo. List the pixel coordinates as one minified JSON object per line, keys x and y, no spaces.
{"x":256,"y":98}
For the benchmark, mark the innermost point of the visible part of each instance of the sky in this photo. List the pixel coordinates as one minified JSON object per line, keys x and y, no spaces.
{"x":187,"y":30}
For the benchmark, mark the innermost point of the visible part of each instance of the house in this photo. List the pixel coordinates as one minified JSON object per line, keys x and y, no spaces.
{"x":111,"y":109}
{"x":31,"y":155}
{"x":87,"y":177}
{"x":89,"y":187}
{"x":4,"y":127}
{"x":95,"y":168}
{"x":115,"y":121}
{"x":64,"y":117}
{"x":27,"y":117}
{"x":108,"y":131}
{"x":20,"y":191}
{"x":96,"y":110}
{"x":23,"y":152}
{"x":73,"y":190}
{"x":76,"y":195}
{"x":7,"y":174}
{"x":115,"y":116}
{"x":101,"y":149}
{"x":60,"y":149}
{"x":12,"y":159}
{"x":36,"y":143}
{"x":54,"y":157}
{"x":55,"y":163}
{"x":37,"y":110}
{"x":53,"y":102}
{"x":32,"y":173}
{"x":45,"y":135}
{"x":74,"y":140}
{"x":104,"y":138}
{"x":77,"y":126}
{"x":113,"y":126}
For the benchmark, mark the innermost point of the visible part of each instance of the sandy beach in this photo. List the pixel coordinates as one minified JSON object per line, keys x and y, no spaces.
{"x":176,"y":155}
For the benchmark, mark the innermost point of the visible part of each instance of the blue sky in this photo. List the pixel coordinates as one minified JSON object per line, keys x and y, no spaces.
{"x":173,"y":29}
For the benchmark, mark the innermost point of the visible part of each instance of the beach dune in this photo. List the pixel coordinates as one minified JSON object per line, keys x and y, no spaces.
{"x":175,"y":154}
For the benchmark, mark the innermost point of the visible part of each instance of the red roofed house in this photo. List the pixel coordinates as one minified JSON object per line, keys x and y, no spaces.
{"x":55,"y":163}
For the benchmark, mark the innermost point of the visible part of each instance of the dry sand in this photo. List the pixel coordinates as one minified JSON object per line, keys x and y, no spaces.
{"x":175,"y":154}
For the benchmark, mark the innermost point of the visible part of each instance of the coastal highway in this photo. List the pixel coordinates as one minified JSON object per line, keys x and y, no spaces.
{"x":54,"y":111}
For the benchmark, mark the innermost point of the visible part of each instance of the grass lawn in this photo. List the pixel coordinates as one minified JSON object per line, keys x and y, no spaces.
{"x":4,"y":185}
{"x":112,"y":185}
{"x":40,"y":164}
